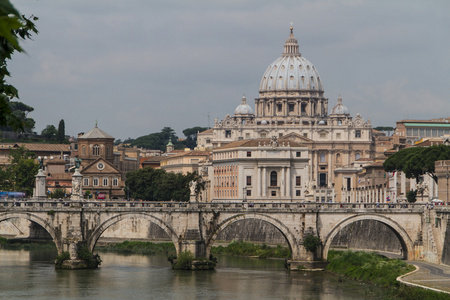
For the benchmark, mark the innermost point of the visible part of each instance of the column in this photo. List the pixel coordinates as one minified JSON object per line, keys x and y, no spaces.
{"x":264,"y":182}
{"x":330,"y":157}
{"x":288,"y":182}
{"x":403,"y":184}
{"x":258,"y":182}
{"x":395,"y":187}
{"x":283,"y":181}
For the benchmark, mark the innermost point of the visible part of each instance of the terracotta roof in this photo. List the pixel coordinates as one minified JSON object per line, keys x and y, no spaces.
{"x":46,"y":147}
{"x":149,"y":159}
{"x":258,"y":143}
{"x":96,"y":133}
{"x":189,"y":153}
{"x":207,"y":131}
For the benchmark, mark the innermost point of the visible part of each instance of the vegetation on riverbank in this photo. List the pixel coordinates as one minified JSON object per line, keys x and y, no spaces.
{"x":239,"y":248}
{"x":379,"y":270}
{"x":8,"y":244}
{"x":137,"y":247}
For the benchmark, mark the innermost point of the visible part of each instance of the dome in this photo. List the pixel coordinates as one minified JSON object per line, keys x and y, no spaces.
{"x":291,"y":71}
{"x":243,"y":108}
{"x":340,"y":109}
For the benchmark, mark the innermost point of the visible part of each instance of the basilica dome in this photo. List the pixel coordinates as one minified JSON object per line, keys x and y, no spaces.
{"x":243,"y":108}
{"x":340,"y":109}
{"x":291,"y":71}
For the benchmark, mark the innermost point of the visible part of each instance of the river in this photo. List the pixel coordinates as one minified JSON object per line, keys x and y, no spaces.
{"x":31,"y":275}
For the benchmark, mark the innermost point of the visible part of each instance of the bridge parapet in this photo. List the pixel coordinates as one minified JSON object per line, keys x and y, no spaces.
{"x":216,"y":206}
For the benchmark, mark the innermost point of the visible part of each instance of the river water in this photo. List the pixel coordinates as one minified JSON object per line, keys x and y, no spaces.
{"x":31,"y":275}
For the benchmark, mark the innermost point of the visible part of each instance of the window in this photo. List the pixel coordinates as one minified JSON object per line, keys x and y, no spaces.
{"x":298,"y":180}
{"x":115,"y":181}
{"x":323,"y":135}
{"x":208,"y":141}
{"x":338,"y":158}
{"x":105,"y":181}
{"x":322,"y":157}
{"x":273,"y":178}
{"x":249,"y":180}
{"x":274,"y":193}
{"x":298,"y":154}
{"x":96,"y":150}
{"x":249,"y":153}
{"x":298,"y":193}
{"x":305,"y":135}
{"x":291,"y":107}
{"x":249,"y":192}
{"x":83,"y":150}
{"x":338,"y":135}
{"x":279,"y":107}
{"x":85,"y":181}
{"x":357,"y":155}
{"x":95,"y":181}
{"x":247,"y":135}
{"x":108,"y":150}
{"x":263,"y":135}
{"x":227,"y":133}
{"x":357,"y":133}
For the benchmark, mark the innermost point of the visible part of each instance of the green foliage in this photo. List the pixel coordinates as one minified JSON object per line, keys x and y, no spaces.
{"x":379,"y":270}
{"x":157,"y":140}
{"x":137,"y":247}
{"x":384,"y":128}
{"x":61,"y":134}
{"x":19,"y":174}
{"x":239,"y":248}
{"x":158,"y":185}
{"x":13,"y":27}
{"x":184,"y":261}
{"x":84,"y":253}
{"x":365,"y":266}
{"x":61,"y":258}
{"x":87,"y":194}
{"x":311,"y":243}
{"x":49,"y":133}
{"x":58,"y":193}
{"x":411,"y":196}
{"x":417,"y":161}
{"x":191,"y":136}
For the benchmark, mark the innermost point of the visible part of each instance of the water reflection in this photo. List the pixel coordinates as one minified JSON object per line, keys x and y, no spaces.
{"x":32,"y":275}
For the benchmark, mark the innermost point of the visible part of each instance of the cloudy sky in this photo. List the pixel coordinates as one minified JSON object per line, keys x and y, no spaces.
{"x":136,"y":66}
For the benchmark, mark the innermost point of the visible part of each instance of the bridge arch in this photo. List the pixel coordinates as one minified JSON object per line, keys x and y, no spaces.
{"x":98,"y":231}
{"x":284,"y":230}
{"x":402,"y":235}
{"x":38,"y":220}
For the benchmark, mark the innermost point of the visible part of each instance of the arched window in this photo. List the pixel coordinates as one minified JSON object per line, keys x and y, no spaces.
{"x":273,"y":178}
{"x":357,"y":155}
{"x":96,"y":150}
{"x":338,"y":158}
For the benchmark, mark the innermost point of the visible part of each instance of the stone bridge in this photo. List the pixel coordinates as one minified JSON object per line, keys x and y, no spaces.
{"x":422,"y":232}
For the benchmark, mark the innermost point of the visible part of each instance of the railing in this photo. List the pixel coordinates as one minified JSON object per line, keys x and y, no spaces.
{"x":208,"y":206}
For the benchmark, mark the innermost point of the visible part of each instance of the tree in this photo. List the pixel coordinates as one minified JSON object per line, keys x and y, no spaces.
{"x":13,"y":27}
{"x":158,"y":140}
{"x":388,"y":129}
{"x":49,"y":133}
{"x":19,"y":175}
{"x":158,"y":185}
{"x":61,"y":134}
{"x":191,"y":136}
{"x":417,"y":161}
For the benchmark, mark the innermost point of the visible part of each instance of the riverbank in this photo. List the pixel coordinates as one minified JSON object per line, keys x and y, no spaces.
{"x":379,"y":270}
{"x":238,"y":248}
{"x":24,"y":244}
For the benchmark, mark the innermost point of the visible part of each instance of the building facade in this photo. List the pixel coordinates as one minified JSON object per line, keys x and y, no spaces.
{"x":292,"y":105}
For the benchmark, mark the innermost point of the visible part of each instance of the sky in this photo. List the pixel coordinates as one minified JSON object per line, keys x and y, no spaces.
{"x":137,"y":66}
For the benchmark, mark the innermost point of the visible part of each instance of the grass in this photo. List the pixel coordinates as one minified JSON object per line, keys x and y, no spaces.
{"x":25,"y":245}
{"x":239,"y":248}
{"x":379,"y":270}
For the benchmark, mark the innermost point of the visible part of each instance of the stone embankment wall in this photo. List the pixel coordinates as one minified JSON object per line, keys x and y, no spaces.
{"x":367,"y":234}
{"x":446,"y":250}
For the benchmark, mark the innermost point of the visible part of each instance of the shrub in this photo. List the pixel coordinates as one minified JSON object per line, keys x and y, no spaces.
{"x":61,"y":258}
{"x":84,"y":253}
{"x":184,"y":261}
{"x":311,"y":243}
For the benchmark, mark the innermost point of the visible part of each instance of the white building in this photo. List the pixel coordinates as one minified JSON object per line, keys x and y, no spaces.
{"x":260,"y":169}
{"x":291,"y":105}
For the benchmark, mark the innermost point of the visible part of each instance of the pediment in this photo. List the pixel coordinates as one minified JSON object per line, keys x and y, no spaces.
{"x":297,"y":138}
{"x":100,"y":166}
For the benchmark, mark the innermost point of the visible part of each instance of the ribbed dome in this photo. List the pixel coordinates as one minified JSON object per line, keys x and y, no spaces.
{"x":243,"y":108}
{"x":340,"y":109}
{"x":291,"y":71}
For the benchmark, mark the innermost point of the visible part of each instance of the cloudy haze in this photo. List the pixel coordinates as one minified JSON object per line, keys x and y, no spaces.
{"x":137,"y":66}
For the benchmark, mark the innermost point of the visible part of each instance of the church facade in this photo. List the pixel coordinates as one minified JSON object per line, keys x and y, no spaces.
{"x":292,"y":105}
